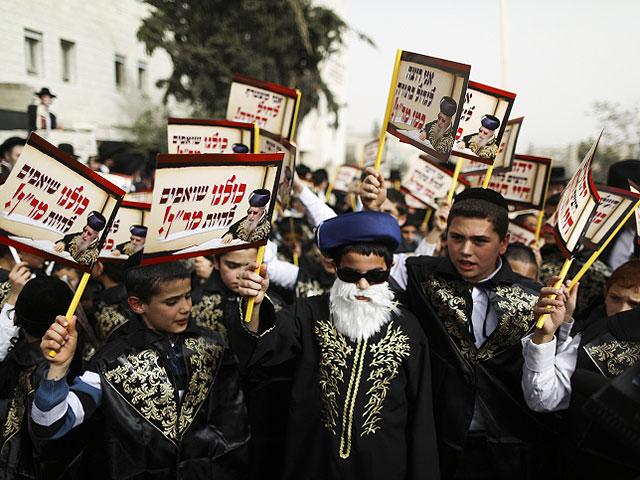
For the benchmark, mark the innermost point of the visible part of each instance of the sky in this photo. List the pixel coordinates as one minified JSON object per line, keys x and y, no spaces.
{"x":562,"y":56}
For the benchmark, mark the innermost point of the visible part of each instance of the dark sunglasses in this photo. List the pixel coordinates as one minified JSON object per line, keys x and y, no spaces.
{"x":350,"y":275}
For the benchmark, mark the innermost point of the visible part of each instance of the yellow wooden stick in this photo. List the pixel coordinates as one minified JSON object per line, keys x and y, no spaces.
{"x":74,"y":302}
{"x":427,"y":217}
{"x":330,"y":187}
{"x":292,"y":228}
{"x":387,"y":113}
{"x":295,"y":116}
{"x":539,"y":224}
{"x":558,"y":284}
{"x":256,"y":138}
{"x":594,"y":256}
{"x":454,"y":180}
{"x":487,"y":176}
{"x":247,"y":317}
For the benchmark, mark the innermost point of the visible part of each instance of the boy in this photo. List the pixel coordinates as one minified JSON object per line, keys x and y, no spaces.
{"x":168,"y":392}
{"x":361,"y":395}
{"x":474,"y":310}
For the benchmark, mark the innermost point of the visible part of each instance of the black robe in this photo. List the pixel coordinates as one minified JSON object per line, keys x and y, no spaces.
{"x":464,"y":375}
{"x":358,"y":410}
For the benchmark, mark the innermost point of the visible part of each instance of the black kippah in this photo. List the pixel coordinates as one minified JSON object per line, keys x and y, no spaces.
{"x":485,"y":194}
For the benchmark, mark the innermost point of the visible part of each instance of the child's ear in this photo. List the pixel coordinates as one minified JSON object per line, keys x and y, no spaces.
{"x":136,"y":305}
{"x":216,"y":262}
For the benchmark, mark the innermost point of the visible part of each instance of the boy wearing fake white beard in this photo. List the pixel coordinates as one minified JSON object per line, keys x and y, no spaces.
{"x":361,"y":394}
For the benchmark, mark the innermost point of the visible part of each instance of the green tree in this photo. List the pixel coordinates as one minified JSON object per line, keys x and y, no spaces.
{"x":280,"y":41}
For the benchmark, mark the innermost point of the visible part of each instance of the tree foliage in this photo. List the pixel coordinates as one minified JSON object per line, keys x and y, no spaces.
{"x":280,"y":41}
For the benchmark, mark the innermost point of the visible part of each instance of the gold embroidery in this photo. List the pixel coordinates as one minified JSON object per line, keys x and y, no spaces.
{"x":86,"y":257}
{"x":514,"y":310}
{"x":18,"y":405}
{"x":450,"y":308}
{"x":204,"y":363}
{"x":108,"y":319}
{"x":310,"y":288}
{"x":350,"y":403}
{"x":5,"y":290}
{"x":260,"y":233}
{"x":208,"y":313}
{"x":618,"y":355}
{"x":143,"y":383}
{"x":334,"y":351}
{"x":387,"y":358}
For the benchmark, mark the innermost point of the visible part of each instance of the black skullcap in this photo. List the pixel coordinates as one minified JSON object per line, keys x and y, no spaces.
{"x":485,"y":194}
{"x":138,"y":230}
{"x":96,"y":221}
{"x":259,"y":198}
{"x":490,"y":122}
{"x":11,"y":142}
{"x":40,"y":301}
{"x":240,"y":148}
{"x":448,"y":106}
{"x":619,"y":172}
{"x":558,"y":175}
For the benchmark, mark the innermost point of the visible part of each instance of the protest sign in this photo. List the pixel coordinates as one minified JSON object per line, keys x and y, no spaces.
{"x":271,"y":107}
{"x":126,"y":235}
{"x":369,"y":152}
{"x":210,"y":203}
{"x":636,"y":189}
{"x":270,"y":143}
{"x":413,"y":202}
{"x":347,"y":178}
{"x":142,"y":196}
{"x":482,"y":123}
{"x":520,"y":233}
{"x":577,"y":206}
{"x":424,"y":103}
{"x":192,"y":135}
{"x":429,"y":181}
{"x":525,"y":185}
{"x":506,"y":152}
{"x":123,"y":181}
{"x":615,"y":205}
{"x":55,"y":207}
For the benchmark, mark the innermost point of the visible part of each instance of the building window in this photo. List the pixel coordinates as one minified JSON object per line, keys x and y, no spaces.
{"x":142,"y":75}
{"x":68,"y":50}
{"x":33,"y":52}
{"x":120,"y":74}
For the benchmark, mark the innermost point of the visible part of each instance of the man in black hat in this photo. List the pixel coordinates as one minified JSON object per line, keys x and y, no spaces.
{"x":83,"y":246}
{"x":40,"y":116}
{"x":255,"y":226}
{"x":439,"y":133}
{"x":483,"y":143}
{"x":10,"y":151}
{"x":135,"y":244}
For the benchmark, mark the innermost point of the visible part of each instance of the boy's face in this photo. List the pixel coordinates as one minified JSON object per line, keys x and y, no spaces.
{"x":620,"y":299}
{"x":409,"y":233}
{"x":231,"y":264}
{"x":474,"y":247}
{"x":168,"y":311}
{"x":362,"y":264}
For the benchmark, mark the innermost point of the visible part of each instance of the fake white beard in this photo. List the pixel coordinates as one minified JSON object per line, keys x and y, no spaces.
{"x":360,"y":319}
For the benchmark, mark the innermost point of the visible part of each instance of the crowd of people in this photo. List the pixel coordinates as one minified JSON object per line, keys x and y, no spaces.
{"x":378,"y":345}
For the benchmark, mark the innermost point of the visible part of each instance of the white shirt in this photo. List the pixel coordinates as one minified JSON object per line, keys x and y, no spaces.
{"x":547,"y":370}
{"x":7,"y":330}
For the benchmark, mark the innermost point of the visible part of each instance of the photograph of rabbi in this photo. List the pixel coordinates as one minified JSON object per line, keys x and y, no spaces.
{"x":83,"y":246}
{"x":439,"y":133}
{"x":135,"y":243}
{"x":483,"y":143}
{"x":255,"y":226}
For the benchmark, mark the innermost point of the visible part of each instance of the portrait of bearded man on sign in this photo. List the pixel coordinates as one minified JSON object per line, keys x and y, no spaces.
{"x":83,"y":246}
{"x":439,"y":133}
{"x":483,"y":143}
{"x":135,"y":243}
{"x":255,"y":226}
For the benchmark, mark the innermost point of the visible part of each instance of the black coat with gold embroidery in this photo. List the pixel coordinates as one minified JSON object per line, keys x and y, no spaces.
{"x":358,"y":410}
{"x":147,"y":431}
{"x":20,"y":374}
{"x":112,"y":312}
{"x":462,"y":374}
